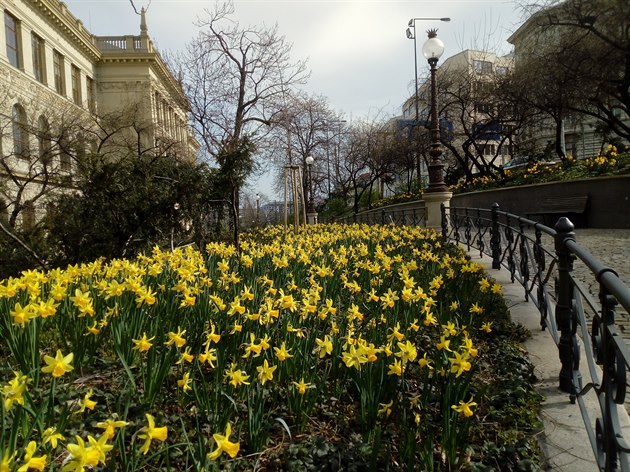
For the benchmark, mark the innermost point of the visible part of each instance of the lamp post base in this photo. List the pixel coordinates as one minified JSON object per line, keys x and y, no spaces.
{"x":311,"y":217}
{"x":432,"y":204}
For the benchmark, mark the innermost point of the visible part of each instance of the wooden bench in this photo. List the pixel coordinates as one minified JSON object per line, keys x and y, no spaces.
{"x":560,"y":206}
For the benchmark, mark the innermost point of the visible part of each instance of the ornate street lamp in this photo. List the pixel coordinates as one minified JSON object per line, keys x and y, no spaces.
{"x":411,"y":34}
{"x":432,"y":50}
{"x":257,"y":209}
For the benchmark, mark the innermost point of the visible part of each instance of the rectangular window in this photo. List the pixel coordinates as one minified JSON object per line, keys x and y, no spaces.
{"x":91,"y":94}
{"x":76,"y":85}
{"x":501,"y":70}
{"x":489,"y":149}
{"x":483,"y":108}
{"x":12,"y":33}
{"x":482,"y":67}
{"x":59,"y":71}
{"x":39,"y":58}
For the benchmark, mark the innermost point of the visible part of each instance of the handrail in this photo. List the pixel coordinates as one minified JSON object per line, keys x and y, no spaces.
{"x":541,"y":259}
{"x":534,"y":265}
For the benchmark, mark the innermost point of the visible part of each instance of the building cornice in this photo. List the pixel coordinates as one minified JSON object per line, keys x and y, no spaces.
{"x":58,"y":14}
{"x":153,"y":60}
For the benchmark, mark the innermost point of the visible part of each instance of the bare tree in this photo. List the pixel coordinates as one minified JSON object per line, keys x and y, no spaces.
{"x":308,"y":126}
{"x":370,"y":155}
{"x":236,"y":79}
{"x":575,"y":58}
{"x":480,"y":119}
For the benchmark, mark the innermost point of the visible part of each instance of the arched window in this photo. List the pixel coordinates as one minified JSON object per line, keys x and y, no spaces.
{"x":44,"y":140}
{"x":20,"y":132}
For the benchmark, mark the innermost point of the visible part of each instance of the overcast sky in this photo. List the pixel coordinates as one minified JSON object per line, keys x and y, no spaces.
{"x":357,"y":51}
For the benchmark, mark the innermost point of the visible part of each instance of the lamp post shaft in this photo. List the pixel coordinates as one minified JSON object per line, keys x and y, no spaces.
{"x":436,"y":168}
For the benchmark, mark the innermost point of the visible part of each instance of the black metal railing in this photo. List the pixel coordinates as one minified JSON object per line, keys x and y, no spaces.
{"x":408,"y":215}
{"x":542,"y":260}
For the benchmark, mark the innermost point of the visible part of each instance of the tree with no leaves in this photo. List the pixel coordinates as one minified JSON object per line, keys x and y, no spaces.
{"x":236,"y":79}
{"x":575,"y":58}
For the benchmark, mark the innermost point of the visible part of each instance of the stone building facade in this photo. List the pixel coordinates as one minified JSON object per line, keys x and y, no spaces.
{"x":65,"y":91}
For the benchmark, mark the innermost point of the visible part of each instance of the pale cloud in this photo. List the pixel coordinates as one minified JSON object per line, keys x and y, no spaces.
{"x":357,"y":49}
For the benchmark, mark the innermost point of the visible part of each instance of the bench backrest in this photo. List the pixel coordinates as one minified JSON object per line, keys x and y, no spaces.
{"x":567,"y":203}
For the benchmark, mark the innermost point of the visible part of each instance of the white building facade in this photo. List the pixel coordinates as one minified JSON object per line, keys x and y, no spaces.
{"x":59,"y":84}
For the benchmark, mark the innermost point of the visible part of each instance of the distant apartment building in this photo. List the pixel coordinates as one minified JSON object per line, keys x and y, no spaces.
{"x":57,"y":78}
{"x":580,"y":135}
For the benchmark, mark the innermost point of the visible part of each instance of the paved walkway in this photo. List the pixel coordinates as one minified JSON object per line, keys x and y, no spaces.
{"x":565,"y":442}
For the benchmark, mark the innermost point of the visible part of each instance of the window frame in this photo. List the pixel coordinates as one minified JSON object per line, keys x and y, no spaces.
{"x":44,"y":141}
{"x":38,"y":46}
{"x":59,"y":70}
{"x":482,"y":67}
{"x":13,"y":51}
{"x":75,"y":77}
{"x":91,"y":93}
{"x":19,"y":125}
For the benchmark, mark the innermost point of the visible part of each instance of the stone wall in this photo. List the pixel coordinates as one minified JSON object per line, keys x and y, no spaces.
{"x":608,"y":204}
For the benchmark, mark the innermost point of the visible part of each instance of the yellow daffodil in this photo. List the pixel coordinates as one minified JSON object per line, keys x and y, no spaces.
{"x":324,"y":346}
{"x":465,"y":408}
{"x":30,"y":461}
{"x":14,"y":391}
{"x":443,"y":344}
{"x":184,"y":382}
{"x":143,"y":344}
{"x":407,"y":353}
{"x":208,"y":356}
{"x":353,"y":358}
{"x":459,"y":363}
{"x":424,"y":362}
{"x":86,"y":403}
{"x":395,"y":368}
{"x":100,"y":446}
{"x":150,"y":433}
{"x":301,"y":386}
{"x":110,"y":426}
{"x":224,"y":445}
{"x":23,"y":315}
{"x":58,"y":365}
{"x":265,"y":372}
{"x":282,"y":353}
{"x":385,"y":409}
{"x":484,"y":284}
{"x":51,"y":436}
{"x":176,"y":338}
{"x":186,"y":356}
{"x":81,"y":456}
{"x":236,"y":375}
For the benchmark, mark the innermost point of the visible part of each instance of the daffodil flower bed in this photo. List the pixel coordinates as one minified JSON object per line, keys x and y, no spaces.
{"x":227,"y":358}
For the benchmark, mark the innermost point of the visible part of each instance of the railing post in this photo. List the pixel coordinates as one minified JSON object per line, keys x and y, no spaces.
{"x":383,"y":217}
{"x":567,"y":346}
{"x":495,"y":238}
{"x":444,"y":221}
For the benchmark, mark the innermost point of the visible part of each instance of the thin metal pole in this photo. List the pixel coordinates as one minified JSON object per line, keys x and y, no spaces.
{"x":417,"y":124}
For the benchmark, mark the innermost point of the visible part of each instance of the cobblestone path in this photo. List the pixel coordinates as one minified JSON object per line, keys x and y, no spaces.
{"x":612,"y":248}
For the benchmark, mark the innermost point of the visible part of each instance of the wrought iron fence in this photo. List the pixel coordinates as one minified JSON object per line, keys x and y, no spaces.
{"x":541,"y":259}
{"x":408,"y":215}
